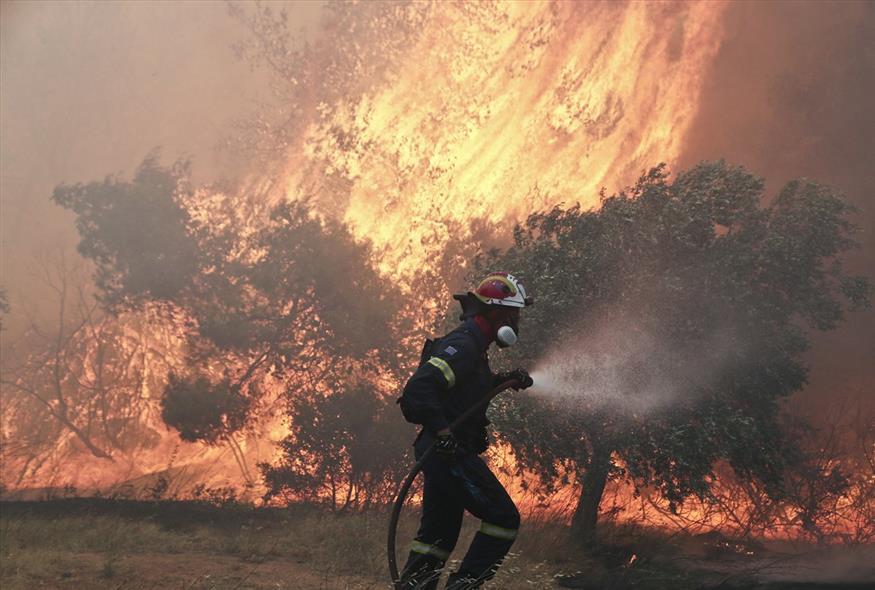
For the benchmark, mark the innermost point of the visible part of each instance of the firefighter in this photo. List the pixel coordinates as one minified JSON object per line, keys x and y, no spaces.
{"x":453,"y":376}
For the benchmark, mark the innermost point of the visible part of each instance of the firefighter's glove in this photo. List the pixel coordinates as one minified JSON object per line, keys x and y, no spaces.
{"x":446,"y":447}
{"x":521,"y":376}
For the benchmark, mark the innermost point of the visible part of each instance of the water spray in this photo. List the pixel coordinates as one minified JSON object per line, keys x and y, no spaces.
{"x":622,"y":367}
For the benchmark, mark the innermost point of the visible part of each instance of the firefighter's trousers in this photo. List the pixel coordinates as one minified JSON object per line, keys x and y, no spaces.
{"x":451,"y":487}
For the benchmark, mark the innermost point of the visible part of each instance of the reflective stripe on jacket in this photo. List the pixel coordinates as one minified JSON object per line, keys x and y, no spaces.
{"x":454,"y":377}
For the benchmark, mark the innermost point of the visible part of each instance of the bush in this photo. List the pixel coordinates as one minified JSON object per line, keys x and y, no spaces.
{"x":202,"y":411}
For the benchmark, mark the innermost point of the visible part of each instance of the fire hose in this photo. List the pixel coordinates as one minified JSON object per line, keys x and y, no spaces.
{"x":417,"y":467}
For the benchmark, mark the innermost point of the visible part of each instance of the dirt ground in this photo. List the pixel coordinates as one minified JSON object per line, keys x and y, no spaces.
{"x":191,"y":571}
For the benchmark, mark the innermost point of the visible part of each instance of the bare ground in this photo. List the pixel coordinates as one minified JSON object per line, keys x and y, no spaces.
{"x":194,"y":571}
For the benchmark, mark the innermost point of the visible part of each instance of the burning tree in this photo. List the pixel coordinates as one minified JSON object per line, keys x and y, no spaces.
{"x":268,"y":298}
{"x":672,"y":323}
{"x":344,"y":449}
{"x":78,"y":382}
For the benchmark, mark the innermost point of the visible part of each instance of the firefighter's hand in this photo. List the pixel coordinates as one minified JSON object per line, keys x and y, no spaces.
{"x":445,"y":445}
{"x":522,"y":377}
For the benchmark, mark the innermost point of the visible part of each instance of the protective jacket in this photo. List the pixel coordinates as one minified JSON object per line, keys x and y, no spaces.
{"x":453,"y":375}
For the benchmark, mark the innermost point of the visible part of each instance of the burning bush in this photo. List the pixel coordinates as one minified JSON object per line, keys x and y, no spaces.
{"x":202,"y":411}
{"x":345,"y":450}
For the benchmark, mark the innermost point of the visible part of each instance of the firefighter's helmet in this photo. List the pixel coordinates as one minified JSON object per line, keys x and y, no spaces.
{"x":502,"y":289}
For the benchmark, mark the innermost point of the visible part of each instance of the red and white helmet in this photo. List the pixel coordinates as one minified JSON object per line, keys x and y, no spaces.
{"x":502,"y":289}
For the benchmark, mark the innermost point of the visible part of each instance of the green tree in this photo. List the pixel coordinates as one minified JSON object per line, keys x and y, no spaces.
{"x":674,"y":319}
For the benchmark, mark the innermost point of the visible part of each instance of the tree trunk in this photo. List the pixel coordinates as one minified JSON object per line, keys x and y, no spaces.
{"x":586,"y":514}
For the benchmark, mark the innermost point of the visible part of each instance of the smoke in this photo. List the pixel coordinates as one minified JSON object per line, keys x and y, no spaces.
{"x":789,"y":95}
{"x":88,"y":89}
{"x":623,"y":367}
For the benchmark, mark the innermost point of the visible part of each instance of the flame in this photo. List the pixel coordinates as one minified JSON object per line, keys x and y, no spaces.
{"x":152,"y":347}
{"x":502,"y":109}
{"x":731,"y":508}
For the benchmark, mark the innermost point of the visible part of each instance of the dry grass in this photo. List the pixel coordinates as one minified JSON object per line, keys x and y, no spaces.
{"x":103,"y":544}
{"x":91,"y":544}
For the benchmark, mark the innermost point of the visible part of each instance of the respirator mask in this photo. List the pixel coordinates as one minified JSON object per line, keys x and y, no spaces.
{"x":508,"y":334}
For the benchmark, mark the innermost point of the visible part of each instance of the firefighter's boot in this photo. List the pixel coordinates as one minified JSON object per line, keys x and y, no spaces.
{"x":421,"y":572}
{"x":462,"y":582}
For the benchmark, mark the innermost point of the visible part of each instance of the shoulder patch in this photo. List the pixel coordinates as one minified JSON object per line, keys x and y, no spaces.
{"x":450,"y":350}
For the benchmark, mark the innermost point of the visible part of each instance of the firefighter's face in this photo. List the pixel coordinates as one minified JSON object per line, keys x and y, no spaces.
{"x":506,"y":323}
{"x":513,"y":319}
{"x":508,"y":316}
